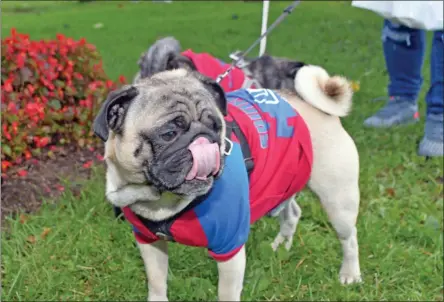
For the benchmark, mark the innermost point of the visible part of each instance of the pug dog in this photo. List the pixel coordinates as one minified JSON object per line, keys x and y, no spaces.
{"x":177,"y":148}
{"x":261,"y":72}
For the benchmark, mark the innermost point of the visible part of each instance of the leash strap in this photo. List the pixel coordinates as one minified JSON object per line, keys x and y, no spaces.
{"x":233,"y":127}
{"x":284,"y":14}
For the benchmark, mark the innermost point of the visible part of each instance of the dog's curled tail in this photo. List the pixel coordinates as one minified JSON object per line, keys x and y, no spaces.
{"x":330,"y":94}
{"x":155,"y":59}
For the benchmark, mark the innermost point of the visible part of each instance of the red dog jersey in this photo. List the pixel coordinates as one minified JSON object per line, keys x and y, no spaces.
{"x":280,"y":144}
{"x":212,"y":68}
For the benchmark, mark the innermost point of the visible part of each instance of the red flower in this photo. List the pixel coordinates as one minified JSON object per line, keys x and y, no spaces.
{"x":7,"y":86}
{"x":122,"y":79}
{"x":109,"y":84}
{"x":5,"y":132}
{"x":30,"y":88}
{"x":14,"y":127}
{"x":12,"y":107}
{"x":41,"y":142}
{"x":35,"y":110}
{"x":22,"y":173}
{"x":28,"y":154}
{"x":5,"y":165}
{"x":88,"y":164}
{"x":78,"y":76}
{"x":86,"y":103}
{"x":92,"y":86}
{"x":60,"y":37}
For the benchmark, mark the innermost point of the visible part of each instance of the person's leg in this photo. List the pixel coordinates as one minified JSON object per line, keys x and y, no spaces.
{"x":404,"y":55}
{"x":432,"y":142}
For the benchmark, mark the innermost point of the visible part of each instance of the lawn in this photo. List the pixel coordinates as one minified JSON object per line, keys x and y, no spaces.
{"x":75,"y":250}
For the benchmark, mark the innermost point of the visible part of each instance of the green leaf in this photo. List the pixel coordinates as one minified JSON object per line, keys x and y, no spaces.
{"x":59,"y":83}
{"x":263,"y":284}
{"x":55,"y":104}
{"x":6,"y":149}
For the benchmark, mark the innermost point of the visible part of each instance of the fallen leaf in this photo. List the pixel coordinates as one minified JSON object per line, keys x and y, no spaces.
{"x":426,"y":252}
{"x":302,"y":240}
{"x":88,"y":164}
{"x":51,"y":155}
{"x":60,"y":188}
{"x":356,"y":86}
{"x":30,"y":239}
{"x":22,"y":173}
{"x":300,"y":263}
{"x":81,"y":142}
{"x":45,"y":232}
{"x":47,"y":189}
{"x":100,"y":157}
{"x":23,"y":218}
{"x":390,"y":192}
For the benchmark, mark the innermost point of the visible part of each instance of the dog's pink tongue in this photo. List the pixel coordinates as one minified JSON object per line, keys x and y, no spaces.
{"x":206,"y":159}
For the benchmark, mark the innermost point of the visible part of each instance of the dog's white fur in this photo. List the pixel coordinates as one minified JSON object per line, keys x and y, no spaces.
{"x":329,"y":94}
{"x":334,"y":179}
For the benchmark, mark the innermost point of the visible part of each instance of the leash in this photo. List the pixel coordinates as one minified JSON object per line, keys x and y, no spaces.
{"x":284,"y":14}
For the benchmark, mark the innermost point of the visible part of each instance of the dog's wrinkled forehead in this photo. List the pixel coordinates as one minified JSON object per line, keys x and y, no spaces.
{"x":166,"y":93}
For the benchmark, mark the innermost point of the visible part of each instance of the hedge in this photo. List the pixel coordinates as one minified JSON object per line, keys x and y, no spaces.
{"x":50,"y":92}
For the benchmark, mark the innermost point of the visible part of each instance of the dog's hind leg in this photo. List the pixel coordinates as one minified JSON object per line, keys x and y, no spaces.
{"x":335,"y":180}
{"x":342,"y":210}
{"x":288,"y":220}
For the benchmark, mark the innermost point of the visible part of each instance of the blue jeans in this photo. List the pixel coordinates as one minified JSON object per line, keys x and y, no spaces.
{"x":404,"y":50}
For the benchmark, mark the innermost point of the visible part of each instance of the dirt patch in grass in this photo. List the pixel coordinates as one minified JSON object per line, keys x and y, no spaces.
{"x":24,"y":187}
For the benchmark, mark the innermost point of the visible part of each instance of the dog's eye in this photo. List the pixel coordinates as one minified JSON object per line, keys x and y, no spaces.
{"x":169,"y":136}
{"x":216,"y":125}
{"x":180,"y":122}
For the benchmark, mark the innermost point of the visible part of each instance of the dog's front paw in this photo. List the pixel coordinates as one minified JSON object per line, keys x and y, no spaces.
{"x":156,"y":298}
{"x":281,"y":239}
{"x":350,"y":273}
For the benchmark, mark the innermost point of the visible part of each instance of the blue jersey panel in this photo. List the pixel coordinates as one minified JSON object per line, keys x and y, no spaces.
{"x":225,"y":214}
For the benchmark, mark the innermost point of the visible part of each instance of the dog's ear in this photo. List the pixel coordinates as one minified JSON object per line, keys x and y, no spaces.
{"x":215,"y":89}
{"x":292,"y":67}
{"x":177,"y":61}
{"x":112,"y":113}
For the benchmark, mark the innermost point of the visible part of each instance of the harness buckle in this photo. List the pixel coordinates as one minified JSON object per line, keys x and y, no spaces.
{"x":230,"y":145}
{"x":163,"y":236}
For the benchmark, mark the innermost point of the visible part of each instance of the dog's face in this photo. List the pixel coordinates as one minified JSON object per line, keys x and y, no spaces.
{"x":149,"y":127}
{"x":275,"y":73}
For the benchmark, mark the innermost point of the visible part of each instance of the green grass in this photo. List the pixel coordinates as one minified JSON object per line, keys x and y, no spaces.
{"x":89,"y":256}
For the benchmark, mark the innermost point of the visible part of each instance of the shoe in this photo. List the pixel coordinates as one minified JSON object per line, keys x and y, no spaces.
{"x":432,"y":143}
{"x":397,"y":111}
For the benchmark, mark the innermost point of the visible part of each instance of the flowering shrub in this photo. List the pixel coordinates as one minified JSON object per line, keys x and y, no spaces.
{"x":50,"y":93}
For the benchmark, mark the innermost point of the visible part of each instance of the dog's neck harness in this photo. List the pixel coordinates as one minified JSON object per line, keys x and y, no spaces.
{"x":162,"y":228}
